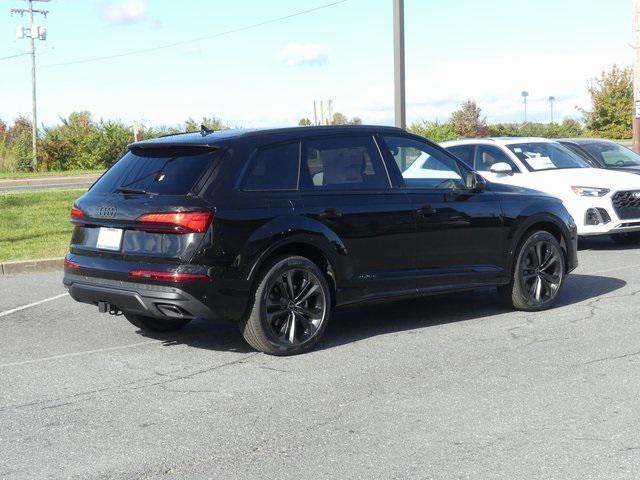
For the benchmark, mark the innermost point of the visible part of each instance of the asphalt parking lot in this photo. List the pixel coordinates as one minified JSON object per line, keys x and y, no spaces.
{"x":444,"y":387}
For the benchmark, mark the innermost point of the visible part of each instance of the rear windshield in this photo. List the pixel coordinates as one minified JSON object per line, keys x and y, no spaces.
{"x":162,"y":171}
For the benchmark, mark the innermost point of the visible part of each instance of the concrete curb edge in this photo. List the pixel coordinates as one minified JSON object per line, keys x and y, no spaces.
{"x":30,"y":266}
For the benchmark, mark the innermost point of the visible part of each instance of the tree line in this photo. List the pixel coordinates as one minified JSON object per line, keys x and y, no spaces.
{"x":81,"y":142}
{"x":610,"y":116}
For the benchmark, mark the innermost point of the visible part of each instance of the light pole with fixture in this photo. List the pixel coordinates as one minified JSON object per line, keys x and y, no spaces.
{"x":524,"y":95}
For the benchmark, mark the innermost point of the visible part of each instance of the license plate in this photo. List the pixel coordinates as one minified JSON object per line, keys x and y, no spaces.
{"x":109,"y":238}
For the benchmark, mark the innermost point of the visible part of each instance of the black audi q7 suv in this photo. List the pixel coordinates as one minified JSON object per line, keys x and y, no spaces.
{"x":273,"y":229}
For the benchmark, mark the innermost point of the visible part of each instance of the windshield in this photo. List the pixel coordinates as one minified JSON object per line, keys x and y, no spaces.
{"x":612,"y":154}
{"x":539,"y":156}
{"x":161,"y":171}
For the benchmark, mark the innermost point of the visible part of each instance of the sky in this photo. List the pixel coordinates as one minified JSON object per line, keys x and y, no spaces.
{"x":270,"y":74}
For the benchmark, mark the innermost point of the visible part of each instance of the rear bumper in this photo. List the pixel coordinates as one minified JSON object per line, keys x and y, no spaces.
{"x":150,"y":300}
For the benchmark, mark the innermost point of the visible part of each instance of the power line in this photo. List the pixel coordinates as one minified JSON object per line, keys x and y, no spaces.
{"x":193,"y":40}
{"x":14,"y":56}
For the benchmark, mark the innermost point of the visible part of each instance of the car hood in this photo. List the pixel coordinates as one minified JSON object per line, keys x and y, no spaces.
{"x":561,"y":181}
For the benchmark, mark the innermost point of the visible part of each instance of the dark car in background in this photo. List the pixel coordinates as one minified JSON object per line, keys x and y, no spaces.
{"x":273,"y":229}
{"x":604,"y":154}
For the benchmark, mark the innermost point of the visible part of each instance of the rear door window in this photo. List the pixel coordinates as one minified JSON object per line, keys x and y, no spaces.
{"x":162,"y":171}
{"x":342,"y":163}
{"x":488,"y":155}
{"x":273,"y":167}
{"x":464,"y":153}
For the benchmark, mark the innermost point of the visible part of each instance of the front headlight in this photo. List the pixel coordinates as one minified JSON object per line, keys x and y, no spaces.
{"x":590,"y":191}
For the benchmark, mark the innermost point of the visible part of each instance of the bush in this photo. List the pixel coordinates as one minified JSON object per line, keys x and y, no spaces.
{"x":568,"y":128}
{"x":435,"y":131}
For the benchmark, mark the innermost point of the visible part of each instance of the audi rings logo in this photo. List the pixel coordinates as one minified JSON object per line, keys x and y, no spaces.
{"x":107,"y":212}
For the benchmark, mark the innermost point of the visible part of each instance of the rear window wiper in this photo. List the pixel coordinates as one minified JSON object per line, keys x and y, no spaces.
{"x":133,"y":191}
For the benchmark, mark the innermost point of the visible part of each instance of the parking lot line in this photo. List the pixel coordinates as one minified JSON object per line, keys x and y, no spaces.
{"x":29,"y":305}
{"x":76,"y":354}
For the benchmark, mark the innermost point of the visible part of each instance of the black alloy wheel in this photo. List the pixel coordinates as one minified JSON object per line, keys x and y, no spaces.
{"x":538,"y":273}
{"x":290,"y":309}
{"x":295,"y":306}
{"x":541,"y":272}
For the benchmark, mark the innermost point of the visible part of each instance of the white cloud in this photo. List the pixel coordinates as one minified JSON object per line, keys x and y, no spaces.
{"x":304,"y":54}
{"x":124,"y":12}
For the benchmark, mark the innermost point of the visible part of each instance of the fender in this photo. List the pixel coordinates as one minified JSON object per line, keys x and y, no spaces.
{"x":294,"y":229}
{"x":544,"y":211}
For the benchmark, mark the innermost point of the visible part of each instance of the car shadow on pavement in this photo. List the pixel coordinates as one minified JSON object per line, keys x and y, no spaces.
{"x":358,"y":323}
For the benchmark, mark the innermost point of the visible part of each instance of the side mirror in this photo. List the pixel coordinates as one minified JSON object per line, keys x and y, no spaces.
{"x":475,"y":183}
{"x":501,"y":168}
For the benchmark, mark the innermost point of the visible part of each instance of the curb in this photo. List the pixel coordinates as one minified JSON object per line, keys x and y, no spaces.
{"x":30,"y":266}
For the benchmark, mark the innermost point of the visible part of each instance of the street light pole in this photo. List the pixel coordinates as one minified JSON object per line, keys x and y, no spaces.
{"x":525,"y":94}
{"x":399,"y":72}
{"x":551,"y":100}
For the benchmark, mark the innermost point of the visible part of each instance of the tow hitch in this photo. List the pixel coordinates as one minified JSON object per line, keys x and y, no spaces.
{"x":105,"y":307}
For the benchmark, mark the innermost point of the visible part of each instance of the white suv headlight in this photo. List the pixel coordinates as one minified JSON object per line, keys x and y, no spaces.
{"x":590,"y":191}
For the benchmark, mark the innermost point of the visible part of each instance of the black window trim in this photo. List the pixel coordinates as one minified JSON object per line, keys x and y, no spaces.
{"x":360,"y":191}
{"x":240,"y":185}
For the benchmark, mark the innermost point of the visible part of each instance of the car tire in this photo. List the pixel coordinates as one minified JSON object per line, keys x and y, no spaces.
{"x":630,"y":238}
{"x":156,"y":324}
{"x":538,"y":273}
{"x":291,"y":307}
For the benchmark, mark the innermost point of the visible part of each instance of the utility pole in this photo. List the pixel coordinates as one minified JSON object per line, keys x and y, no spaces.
{"x":636,"y":76}
{"x":398,"y":56}
{"x":551,"y":100}
{"x":524,"y":95}
{"x":32,"y":32}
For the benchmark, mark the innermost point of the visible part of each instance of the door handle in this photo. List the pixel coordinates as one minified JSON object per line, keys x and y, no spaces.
{"x":426,"y":210}
{"x":331,"y":214}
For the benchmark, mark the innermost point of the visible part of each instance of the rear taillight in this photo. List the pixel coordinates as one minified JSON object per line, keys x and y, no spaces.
{"x":185,"y":222}
{"x":76,"y":213}
{"x":168,"y":276}
{"x":70,"y":264}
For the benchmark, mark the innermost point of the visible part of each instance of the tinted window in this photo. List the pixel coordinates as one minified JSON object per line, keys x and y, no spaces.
{"x":273,"y":168}
{"x":581,"y":153}
{"x":612,"y":154}
{"x":164,"y":171}
{"x":349,"y":163}
{"x":546,"y":156}
{"x":424,"y":166}
{"x":488,"y":155}
{"x":464,"y":153}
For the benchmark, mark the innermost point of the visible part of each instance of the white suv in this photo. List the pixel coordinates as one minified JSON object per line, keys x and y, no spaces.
{"x":602,"y":202}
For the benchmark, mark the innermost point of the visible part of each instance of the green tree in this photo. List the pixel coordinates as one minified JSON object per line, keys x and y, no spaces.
{"x":468,"y":121}
{"x":20,"y":143}
{"x":611,"y":104}
{"x":339,"y":119}
{"x":212,"y":123}
{"x":304,"y":122}
{"x":435,"y":131}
